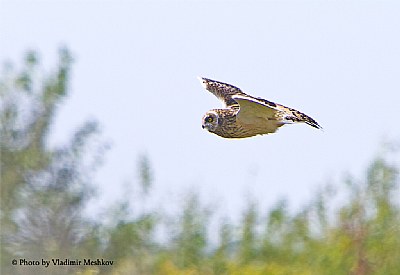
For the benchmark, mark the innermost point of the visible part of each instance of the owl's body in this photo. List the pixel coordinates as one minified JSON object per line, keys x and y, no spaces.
{"x":247,"y":116}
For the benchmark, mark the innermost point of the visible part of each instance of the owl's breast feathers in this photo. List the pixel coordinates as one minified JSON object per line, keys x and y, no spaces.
{"x":232,"y":127}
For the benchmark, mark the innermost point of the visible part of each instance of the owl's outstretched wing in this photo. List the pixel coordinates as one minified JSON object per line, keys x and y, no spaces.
{"x":222,"y":91}
{"x":252,"y":108}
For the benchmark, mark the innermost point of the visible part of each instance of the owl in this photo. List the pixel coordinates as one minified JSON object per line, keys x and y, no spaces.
{"x":246,"y":116}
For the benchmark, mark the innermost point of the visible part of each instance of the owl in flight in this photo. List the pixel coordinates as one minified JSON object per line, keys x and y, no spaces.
{"x":247,"y":116}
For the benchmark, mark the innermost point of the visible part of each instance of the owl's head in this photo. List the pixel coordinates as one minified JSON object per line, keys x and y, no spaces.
{"x":210,"y":121}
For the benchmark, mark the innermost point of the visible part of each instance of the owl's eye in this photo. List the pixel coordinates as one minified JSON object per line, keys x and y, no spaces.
{"x":209,"y":119}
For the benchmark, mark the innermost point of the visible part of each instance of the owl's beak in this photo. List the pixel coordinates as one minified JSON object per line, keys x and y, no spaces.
{"x":202,"y":126}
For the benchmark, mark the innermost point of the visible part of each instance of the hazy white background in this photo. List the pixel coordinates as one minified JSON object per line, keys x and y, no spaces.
{"x":135,"y":72}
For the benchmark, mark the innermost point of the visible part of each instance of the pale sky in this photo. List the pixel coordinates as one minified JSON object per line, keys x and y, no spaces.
{"x":135,"y":71}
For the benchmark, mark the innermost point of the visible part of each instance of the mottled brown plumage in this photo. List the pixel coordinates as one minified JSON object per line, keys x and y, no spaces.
{"x":247,"y":116}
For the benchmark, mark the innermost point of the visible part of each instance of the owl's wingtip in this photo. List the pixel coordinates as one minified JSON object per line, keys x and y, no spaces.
{"x":202,"y":81}
{"x":316,"y":125}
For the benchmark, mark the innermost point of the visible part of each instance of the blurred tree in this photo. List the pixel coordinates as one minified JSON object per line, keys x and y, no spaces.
{"x":129,"y":237}
{"x":43,"y":190}
{"x":276,"y":226}
{"x":190,"y":240}
{"x":369,"y":224}
{"x":223,"y":253}
{"x":131,"y":246}
{"x":145,"y":174}
{"x":247,"y":247}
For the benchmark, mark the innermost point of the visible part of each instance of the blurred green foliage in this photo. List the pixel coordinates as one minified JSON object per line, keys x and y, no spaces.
{"x":44,"y":192}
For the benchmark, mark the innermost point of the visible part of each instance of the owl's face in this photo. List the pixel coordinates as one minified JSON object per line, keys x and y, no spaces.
{"x":210,"y":121}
